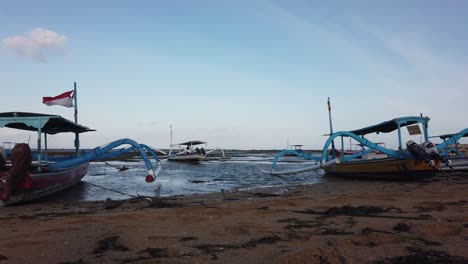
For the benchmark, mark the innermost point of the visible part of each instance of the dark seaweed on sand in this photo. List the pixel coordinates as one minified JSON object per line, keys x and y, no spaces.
{"x":265,"y":195}
{"x":109,"y":243}
{"x":348,"y":210}
{"x":401,"y":227}
{"x":424,"y":257}
{"x":214,"y":248}
{"x":156,"y":252}
{"x":80,"y":261}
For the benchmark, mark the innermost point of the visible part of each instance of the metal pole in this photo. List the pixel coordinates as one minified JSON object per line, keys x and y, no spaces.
{"x":331,"y":127}
{"x":400,"y":144}
{"x":170,"y":126}
{"x":39,"y":134}
{"x":45,"y":148}
{"x":77,"y":135}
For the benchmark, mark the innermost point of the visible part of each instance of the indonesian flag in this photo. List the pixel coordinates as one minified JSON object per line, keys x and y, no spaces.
{"x":65,"y":99}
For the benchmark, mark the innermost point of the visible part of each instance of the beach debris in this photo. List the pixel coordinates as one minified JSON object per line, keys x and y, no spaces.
{"x":348,"y":211}
{"x":111,"y":204}
{"x":265,"y":195}
{"x":110,"y":243}
{"x":185,"y":239}
{"x":212,"y":249}
{"x":80,"y":261}
{"x":422,"y":241}
{"x":160,"y":203}
{"x":430,"y":206}
{"x":355,"y":211}
{"x":295,"y":223}
{"x":156,"y":252}
{"x":401,"y":227}
{"x":424,"y":256}
{"x":369,"y":230}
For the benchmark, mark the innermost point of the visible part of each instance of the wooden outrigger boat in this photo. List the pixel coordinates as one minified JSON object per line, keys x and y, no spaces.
{"x":48,"y":174}
{"x":410,"y":162}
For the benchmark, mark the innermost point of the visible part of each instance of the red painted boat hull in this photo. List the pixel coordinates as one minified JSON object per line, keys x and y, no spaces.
{"x":49,"y":182}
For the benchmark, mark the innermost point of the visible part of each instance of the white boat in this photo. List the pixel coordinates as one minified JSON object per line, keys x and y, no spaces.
{"x":296,"y":148}
{"x":188,"y":151}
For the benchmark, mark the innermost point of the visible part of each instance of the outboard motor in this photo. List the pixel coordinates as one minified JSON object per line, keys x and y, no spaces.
{"x":198,"y":151}
{"x":413,"y":148}
{"x":426,"y":152}
{"x":203,"y":151}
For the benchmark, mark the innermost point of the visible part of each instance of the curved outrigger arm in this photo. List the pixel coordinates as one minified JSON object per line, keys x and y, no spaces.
{"x":318,"y":166}
{"x":362,"y":141}
{"x":299,"y":154}
{"x":452,"y":140}
{"x":213,"y":150}
{"x":158,"y":168}
{"x":102,"y":153}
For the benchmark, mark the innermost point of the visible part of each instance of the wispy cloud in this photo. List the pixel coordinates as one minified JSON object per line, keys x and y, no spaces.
{"x":35,"y":44}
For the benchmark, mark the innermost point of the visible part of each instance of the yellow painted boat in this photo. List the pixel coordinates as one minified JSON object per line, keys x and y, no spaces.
{"x":384,"y":169}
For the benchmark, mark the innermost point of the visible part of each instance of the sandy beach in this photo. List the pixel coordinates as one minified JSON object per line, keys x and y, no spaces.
{"x":335,"y":222}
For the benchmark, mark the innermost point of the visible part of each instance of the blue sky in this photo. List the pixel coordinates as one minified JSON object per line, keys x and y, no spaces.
{"x":238,"y":74}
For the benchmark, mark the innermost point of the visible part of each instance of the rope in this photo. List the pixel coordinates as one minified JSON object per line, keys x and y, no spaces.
{"x":112,"y":190}
{"x":103,"y":136}
{"x":111,"y":165}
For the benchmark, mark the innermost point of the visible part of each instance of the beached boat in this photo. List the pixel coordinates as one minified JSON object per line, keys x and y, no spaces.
{"x":410,"y":162}
{"x":50,"y":174}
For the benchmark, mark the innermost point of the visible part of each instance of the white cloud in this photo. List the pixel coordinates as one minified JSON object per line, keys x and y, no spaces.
{"x":35,"y":44}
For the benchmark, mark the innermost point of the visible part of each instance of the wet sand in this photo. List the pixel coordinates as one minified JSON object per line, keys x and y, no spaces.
{"x":334,"y":222}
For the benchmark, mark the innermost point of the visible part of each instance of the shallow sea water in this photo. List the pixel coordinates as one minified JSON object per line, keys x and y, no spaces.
{"x":105,"y":181}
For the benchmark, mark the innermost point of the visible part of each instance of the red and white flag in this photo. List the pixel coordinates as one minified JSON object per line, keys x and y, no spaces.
{"x":65,"y":99}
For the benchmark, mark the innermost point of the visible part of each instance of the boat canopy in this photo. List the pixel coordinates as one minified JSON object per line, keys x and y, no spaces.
{"x":192,"y":143}
{"x":391,"y":125}
{"x":49,"y":124}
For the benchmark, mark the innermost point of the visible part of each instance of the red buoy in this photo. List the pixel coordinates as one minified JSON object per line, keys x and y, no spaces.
{"x":149,"y":178}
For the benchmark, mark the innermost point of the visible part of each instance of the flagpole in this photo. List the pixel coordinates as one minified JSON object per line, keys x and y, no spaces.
{"x":331,"y":127}
{"x":77,"y":135}
{"x":76,"y":104}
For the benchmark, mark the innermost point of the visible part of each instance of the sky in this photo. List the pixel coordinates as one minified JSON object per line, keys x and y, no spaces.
{"x":237,"y":74}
